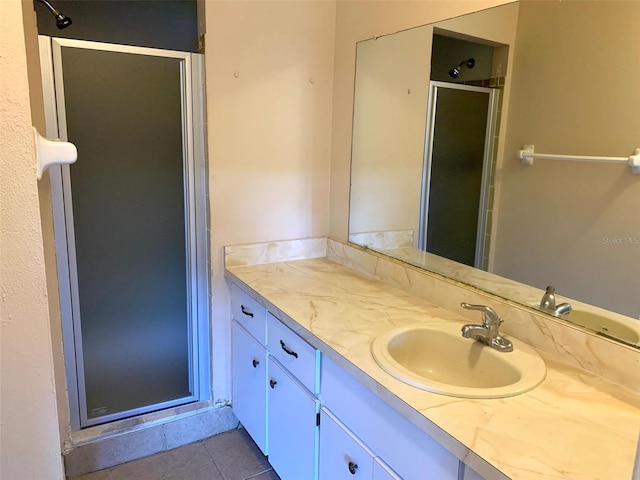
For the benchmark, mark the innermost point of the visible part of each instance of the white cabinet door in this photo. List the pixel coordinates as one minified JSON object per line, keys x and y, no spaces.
{"x":249,"y":382}
{"x":342,"y":455}
{"x":292,"y":430}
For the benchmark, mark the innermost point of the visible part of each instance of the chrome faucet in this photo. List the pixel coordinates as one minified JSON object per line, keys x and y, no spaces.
{"x":486,"y":333}
{"x":548,"y":303}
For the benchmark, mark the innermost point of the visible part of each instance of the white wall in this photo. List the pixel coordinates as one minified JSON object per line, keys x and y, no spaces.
{"x":29,"y":439}
{"x":269,"y":86}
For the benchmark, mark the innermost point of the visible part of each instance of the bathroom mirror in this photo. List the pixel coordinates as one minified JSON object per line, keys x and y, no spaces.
{"x":566,"y":73}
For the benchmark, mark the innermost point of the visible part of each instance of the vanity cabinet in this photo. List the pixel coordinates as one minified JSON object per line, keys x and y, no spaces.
{"x":274,"y":377}
{"x":313,"y":419}
{"x":397,"y":442}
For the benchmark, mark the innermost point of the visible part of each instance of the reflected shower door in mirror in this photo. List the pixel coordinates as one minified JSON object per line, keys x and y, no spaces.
{"x":457,"y":165}
{"x":571,"y":225}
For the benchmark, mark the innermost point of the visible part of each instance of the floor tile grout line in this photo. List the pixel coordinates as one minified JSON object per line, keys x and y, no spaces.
{"x":215,"y":465}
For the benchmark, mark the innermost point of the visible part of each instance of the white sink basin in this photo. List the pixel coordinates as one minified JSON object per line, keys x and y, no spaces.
{"x":604,"y":325}
{"x":438,"y":359}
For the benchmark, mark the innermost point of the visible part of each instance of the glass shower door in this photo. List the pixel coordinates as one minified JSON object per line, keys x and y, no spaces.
{"x":457,"y":162}
{"x":129,"y":227}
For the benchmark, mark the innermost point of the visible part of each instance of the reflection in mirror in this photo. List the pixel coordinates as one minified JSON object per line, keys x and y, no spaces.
{"x":562,"y":79}
{"x":455,"y":183}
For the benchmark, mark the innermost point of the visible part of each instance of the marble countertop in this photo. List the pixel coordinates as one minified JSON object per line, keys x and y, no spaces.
{"x":575,"y":425}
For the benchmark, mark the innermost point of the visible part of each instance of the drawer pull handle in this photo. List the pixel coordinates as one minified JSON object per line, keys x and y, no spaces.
{"x":245,"y":311}
{"x":287,"y":349}
{"x":352,"y":468}
{"x":272,"y":383}
{"x":255,"y":363}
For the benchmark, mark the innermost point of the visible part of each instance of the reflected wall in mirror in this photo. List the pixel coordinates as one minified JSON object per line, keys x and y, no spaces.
{"x":567,"y":81}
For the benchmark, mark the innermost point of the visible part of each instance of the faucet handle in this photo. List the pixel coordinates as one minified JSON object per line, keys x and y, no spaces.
{"x":548,"y":301}
{"x":489,"y":315}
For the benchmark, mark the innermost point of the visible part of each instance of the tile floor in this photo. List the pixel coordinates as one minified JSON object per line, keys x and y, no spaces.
{"x":230,"y":455}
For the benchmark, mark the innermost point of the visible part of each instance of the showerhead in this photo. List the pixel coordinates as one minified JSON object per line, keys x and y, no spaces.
{"x":62,"y":21}
{"x":455,"y":71}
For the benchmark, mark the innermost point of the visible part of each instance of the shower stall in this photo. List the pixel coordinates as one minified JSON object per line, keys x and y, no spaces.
{"x":130,"y":220}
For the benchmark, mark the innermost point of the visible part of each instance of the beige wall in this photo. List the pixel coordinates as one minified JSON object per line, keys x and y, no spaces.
{"x":269,"y":88}
{"x":29,"y":438}
{"x":46,"y":216}
{"x":574,"y":91}
{"x":391,"y":93}
{"x":356,"y":21}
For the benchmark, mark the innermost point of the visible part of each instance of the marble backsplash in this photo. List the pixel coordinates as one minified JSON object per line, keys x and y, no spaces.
{"x":626,"y":328}
{"x":384,"y":240}
{"x":271,"y":252}
{"x":571,"y":345}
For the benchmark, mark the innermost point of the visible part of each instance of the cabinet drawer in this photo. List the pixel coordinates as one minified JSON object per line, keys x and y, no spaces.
{"x":404,"y":447}
{"x":292,"y":352}
{"x":249,"y":313}
{"x":342,"y":455}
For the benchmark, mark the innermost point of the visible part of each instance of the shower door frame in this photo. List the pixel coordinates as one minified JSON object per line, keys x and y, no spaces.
{"x":490,"y":132}
{"x":196,"y":221}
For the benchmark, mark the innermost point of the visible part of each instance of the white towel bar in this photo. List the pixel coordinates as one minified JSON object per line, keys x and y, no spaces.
{"x":527,"y":155}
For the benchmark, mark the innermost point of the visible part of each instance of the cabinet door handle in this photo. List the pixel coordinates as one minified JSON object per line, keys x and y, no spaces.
{"x":352,"y":468}
{"x":255,"y":363}
{"x":272,"y":383}
{"x":245,"y":311}
{"x":287,"y":349}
